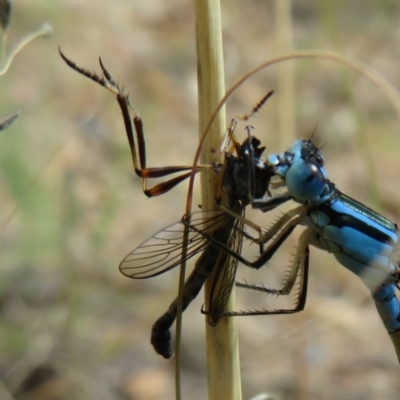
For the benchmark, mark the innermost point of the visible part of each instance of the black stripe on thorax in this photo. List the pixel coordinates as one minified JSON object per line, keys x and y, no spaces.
{"x":341,"y":220}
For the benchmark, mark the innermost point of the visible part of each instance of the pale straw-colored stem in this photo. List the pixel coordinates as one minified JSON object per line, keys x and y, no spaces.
{"x":222,"y":345}
{"x":43,"y":30}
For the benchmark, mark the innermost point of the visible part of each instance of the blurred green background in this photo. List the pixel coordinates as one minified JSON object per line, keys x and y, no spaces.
{"x":71,"y":326}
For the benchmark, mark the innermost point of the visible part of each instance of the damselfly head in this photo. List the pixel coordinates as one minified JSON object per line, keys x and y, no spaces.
{"x":301,"y":169}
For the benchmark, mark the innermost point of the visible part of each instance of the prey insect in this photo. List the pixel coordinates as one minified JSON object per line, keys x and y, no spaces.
{"x":164,"y":250}
{"x":244,"y":178}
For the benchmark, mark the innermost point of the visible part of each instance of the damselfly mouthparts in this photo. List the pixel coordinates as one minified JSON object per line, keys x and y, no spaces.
{"x":244,"y":178}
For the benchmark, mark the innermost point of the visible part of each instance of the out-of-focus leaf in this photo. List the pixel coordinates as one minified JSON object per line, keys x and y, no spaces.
{"x":7,"y":120}
{"x":5,"y":13}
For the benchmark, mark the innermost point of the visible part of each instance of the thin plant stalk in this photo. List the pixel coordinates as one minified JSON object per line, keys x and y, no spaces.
{"x":222,"y":340}
{"x":43,"y":30}
{"x":179,"y":314}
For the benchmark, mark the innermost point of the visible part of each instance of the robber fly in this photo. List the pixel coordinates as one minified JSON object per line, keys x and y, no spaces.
{"x":243,"y":177}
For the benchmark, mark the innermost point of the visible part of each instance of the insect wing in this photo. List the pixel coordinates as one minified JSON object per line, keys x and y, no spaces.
{"x":163,"y":251}
{"x":225,"y":274}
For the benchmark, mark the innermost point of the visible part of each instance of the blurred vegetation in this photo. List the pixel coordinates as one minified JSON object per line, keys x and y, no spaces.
{"x":71,"y":326}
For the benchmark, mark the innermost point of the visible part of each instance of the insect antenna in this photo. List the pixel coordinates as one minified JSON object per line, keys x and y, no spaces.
{"x":257,"y":107}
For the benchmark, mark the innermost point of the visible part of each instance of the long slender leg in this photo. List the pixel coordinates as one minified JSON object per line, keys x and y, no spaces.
{"x":246,"y":221}
{"x":290,"y":279}
{"x":299,"y":268}
{"x":271,"y":203}
{"x":275,"y":228}
{"x":138,"y":151}
{"x":296,"y":217}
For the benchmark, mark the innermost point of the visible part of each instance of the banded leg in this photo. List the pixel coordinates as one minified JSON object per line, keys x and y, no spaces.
{"x":231,"y":130}
{"x":138,"y":150}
